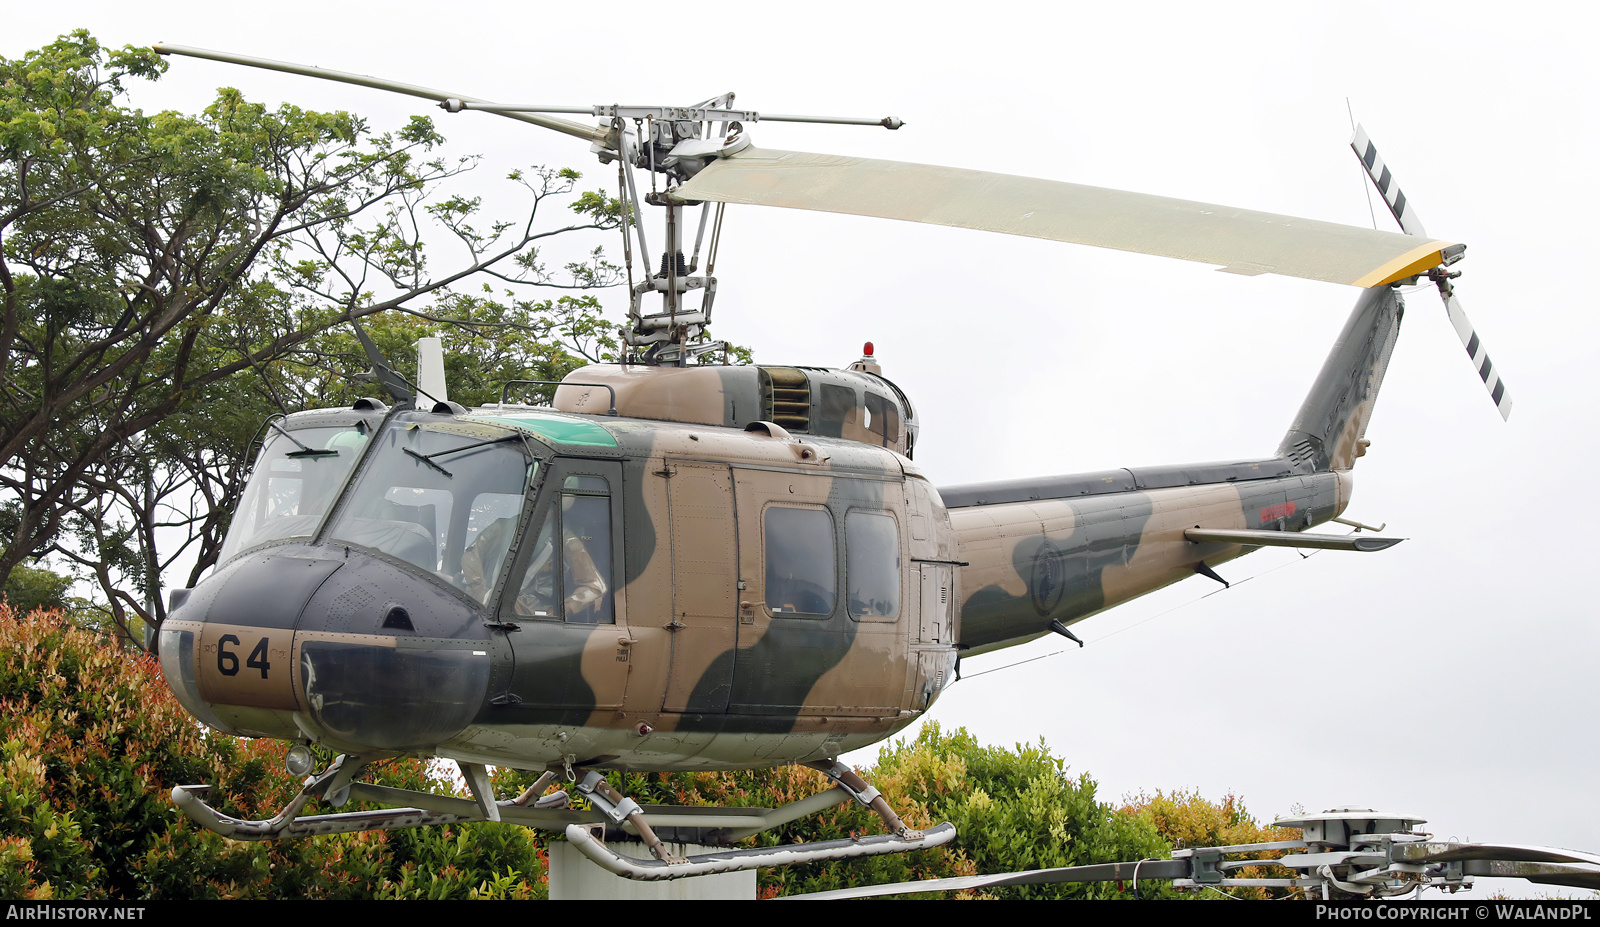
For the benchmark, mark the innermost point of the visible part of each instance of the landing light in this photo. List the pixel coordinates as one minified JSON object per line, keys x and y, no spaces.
{"x":298,"y":761}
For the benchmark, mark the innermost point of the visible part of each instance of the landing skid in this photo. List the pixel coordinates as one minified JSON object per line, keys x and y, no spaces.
{"x":594,"y":848}
{"x":586,"y":829}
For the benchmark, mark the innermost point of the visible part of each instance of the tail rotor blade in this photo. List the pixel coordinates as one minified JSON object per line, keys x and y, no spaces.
{"x":1399,"y":207}
{"x":1480,"y":357}
{"x":1406,"y":215}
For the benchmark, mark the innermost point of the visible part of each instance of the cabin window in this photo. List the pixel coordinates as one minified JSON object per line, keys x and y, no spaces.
{"x":883,"y":418}
{"x":444,"y":501}
{"x":872,"y":565}
{"x":837,"y":406}
{"x":572,"y":582}
{"x":801,"y":562}
{"x":293,"y":485}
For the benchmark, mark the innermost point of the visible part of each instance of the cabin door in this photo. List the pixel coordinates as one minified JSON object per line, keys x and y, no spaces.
{"x":565,"y":595}
{"x":820,"y":561}
{"x":705,"y":593}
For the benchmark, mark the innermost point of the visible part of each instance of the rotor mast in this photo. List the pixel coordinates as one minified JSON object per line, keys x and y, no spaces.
{"x":676,"y":143}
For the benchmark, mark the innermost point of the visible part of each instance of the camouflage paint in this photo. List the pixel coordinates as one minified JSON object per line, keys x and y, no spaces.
{"x":697,"y":672}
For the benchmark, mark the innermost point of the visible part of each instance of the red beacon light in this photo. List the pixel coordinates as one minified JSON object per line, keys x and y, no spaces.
{"x":867,"y":363}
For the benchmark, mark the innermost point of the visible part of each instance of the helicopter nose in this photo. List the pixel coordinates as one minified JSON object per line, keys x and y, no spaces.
{"x":226,"y":647}
{"x":335,"y":646}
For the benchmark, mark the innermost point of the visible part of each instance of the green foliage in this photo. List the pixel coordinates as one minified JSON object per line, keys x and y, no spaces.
{"x":30,"y":588}
{"x":1020,"y":809}
{"x":1187,"y":819}
{"x":91,"y":743}
{"x":169,"y":280}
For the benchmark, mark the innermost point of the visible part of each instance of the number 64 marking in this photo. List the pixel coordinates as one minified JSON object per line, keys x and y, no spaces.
{"x":228,"y":662}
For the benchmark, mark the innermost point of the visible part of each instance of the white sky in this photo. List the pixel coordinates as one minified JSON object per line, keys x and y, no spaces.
{"x":1452,"y":676}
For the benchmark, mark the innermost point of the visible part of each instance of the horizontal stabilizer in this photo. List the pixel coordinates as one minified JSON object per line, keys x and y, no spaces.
{"x":1289,"y":539}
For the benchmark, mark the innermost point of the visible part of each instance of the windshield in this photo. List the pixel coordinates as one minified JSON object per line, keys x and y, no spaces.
{"x":295,"y":481}
{"x":444,"y":498}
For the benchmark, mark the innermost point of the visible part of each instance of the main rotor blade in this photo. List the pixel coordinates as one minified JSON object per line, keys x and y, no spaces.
{"x":1243,"y":241}
{"x":587,"y":133}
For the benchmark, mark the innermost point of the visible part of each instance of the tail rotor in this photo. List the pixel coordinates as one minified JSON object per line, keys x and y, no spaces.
{"x":1441,"y":276}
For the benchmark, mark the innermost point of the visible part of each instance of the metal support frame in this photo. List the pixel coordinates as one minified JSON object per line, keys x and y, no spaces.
{"x":1345,"y":853}
{"x":612,"y":816}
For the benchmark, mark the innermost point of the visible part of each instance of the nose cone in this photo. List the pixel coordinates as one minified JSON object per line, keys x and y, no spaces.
{"x":345,"y":649}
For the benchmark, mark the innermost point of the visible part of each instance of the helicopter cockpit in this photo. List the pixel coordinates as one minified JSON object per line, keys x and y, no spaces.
{"x":436,"y":490}
{"x":446,"y":497}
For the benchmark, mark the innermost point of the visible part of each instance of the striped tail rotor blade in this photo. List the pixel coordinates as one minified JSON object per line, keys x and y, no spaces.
{"x":1379,"y":172}
{"x":1404,"y":214}
{"x":1480,"y":358}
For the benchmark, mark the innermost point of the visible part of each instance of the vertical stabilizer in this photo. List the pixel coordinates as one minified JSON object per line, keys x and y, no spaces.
{"x":1329,"y":432}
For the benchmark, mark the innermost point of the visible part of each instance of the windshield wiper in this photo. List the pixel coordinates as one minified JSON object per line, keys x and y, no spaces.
{"x":424,"y":459}
{"x":428,"y":458}
{"x":304,"y":451}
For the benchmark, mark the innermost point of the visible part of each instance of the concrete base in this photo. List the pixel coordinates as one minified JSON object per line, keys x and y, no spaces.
{"x":573,"y":877}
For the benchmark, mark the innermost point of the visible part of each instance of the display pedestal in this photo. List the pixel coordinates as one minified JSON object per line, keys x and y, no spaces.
{"x":573,"y":877}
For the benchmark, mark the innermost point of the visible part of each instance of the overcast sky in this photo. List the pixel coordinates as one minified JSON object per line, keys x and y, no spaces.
{"x":1451,"y":677}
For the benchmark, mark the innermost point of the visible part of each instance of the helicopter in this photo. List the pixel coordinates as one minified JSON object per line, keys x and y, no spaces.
{"x":679,"y":565}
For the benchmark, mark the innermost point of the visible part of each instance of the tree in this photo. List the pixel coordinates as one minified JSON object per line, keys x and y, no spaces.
{"x":147,"y":261}
{"x":29,"y":588}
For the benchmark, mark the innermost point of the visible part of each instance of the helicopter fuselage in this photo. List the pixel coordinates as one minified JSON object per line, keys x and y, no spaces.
{"x":539,"y":587}
{"x":522,"y":586}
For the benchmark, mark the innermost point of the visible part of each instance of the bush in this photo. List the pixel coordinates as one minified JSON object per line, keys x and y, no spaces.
{"x":91,"y":744}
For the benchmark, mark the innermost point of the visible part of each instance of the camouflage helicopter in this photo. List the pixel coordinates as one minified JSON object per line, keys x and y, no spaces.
{"x":678,"y":565}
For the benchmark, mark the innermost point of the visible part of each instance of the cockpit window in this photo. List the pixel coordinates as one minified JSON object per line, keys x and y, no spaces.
{"x":296,"y":478}
{"x":573,"y":581}
{"x":445,"y":501}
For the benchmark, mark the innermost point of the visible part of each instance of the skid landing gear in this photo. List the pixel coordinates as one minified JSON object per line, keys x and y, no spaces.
{"x":613,"y":815}
{"x":590,"y":839}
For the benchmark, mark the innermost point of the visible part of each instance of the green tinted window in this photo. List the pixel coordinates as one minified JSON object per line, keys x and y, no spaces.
{"x":293,"y":485}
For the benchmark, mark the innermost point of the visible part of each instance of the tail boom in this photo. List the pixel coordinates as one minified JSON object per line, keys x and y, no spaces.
{"x":1031,"y":563}
{"x":1059,"y":549}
